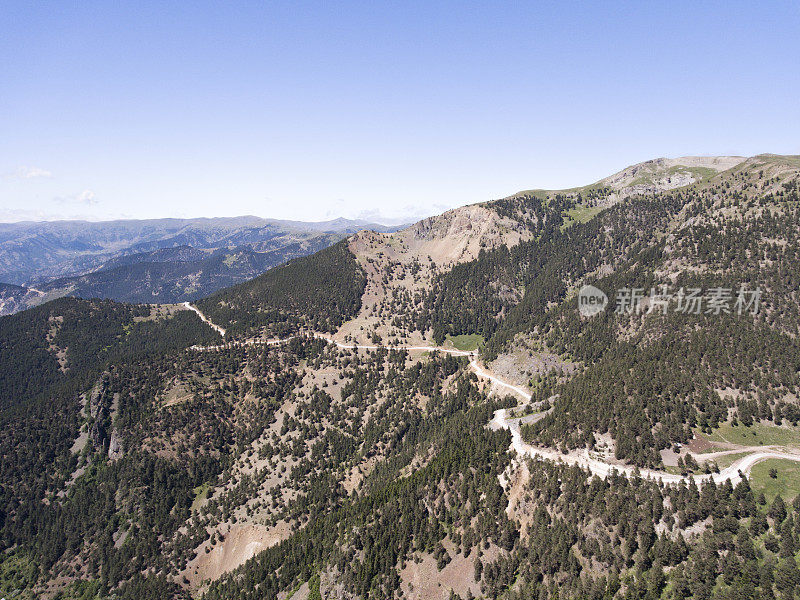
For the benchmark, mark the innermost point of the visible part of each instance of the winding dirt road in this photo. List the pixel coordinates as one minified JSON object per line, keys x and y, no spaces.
{"x":501,"y":420}
{"x":205,"y":319}
{"x":602,"y":469}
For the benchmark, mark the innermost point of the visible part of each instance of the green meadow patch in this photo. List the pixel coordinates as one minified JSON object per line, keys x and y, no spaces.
{"x":200,"y":495}
{"x":465,"y":342}
{"x":786,"y":481}
{"x":758,"y":434}
{"x":580,"y":214}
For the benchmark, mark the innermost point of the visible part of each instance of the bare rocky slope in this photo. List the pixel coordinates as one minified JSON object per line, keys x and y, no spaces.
{"x":662,"y":174}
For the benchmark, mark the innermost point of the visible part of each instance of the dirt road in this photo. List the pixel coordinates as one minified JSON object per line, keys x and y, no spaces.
{"x":501,"y":420}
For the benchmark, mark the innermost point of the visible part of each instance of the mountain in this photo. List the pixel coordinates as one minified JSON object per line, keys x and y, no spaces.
{"x":663,"y":174}
{"x":427,"y":413}
{"x":176,"y":274}
{"x":14,"y":298}
{"x":161,"y":261}
{"x":319,"y":292}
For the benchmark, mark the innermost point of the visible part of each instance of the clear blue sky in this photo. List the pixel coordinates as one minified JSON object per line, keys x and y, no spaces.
{"x":382,"y":109}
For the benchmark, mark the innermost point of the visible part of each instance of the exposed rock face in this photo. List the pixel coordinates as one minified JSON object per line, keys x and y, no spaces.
{"x":99,"y":405}
{"x":114,"y":446}
{"x":662,"y":174}
{"x":14,"y":298}
{"x":459,"y":234}
{"x":453,"y":223}
{"x":97,"y":435}
{"x":405,"y":262}
{"x":95,"y":398}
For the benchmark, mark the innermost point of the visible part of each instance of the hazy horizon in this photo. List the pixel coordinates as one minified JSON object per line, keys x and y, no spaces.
{"x":366,"y":217}
{"x":89,"y":219}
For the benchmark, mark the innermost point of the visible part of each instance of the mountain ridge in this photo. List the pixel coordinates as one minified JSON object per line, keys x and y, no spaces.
{"x":135,"y":260}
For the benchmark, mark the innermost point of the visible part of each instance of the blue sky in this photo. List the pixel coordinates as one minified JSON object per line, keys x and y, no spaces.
{"x":377,"y":109}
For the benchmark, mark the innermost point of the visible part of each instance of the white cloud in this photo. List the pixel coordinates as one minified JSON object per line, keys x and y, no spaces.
{"x":403,"y":215}
{"x":335,"y":213}
{"x":86,"y":197}
{"x":28,"y":173}
{"x":34,"y":173}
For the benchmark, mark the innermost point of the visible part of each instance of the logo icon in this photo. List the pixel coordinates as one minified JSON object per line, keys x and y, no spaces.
{"x":591,"y":301}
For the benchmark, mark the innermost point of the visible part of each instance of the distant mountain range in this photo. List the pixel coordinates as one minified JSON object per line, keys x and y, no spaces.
{"x":155,"y":260}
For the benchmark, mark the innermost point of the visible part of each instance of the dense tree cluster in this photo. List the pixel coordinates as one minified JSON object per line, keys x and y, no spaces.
{"x":319,"y":292}
{"x":52,"y":356}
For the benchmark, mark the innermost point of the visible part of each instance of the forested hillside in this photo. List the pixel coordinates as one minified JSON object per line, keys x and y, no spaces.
{"x":318,"y":292}
{"x":646,"y":377}
{"x":56,"y":413}
{"x":343,"y":440}
{"x":176,"y":276}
